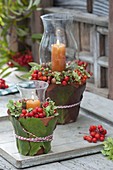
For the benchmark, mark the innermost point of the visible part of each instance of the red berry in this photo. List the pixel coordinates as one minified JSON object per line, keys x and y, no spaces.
{"x":64,"y":83}
{"x":37,"y":116}
{"x":97,"y":136}
{"x":92,"y":133}
{"x":104,"y":132}
{"x":99,"y":126}
{"x":92,"y":128}
{"x":66,"y":78}
{"x":94,"y":140}
{"x":40,"y":110}
{"x":31,"y":114}
{"x":22,"y":115}
{"x":89,"y":139}
{"x":102,"y":138}
{"x":85,"y":137}
{"x":41,"y":115}
{"x":101,"y":130}
{"x":24,"y":111}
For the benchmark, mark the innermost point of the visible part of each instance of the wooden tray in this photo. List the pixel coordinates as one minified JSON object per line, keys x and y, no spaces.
{"x":67,"y":143}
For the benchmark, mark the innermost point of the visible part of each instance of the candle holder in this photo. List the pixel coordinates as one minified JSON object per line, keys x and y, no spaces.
{"x":58,"y":44}
{"x":32,"y":90}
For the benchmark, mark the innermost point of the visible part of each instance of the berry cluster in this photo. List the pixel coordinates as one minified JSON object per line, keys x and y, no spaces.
{"x":22,"y":59}
{"x":3,"y":84}
{"x":45,"y":110}
{"x":75,"y":72}
{"x":38,"y":112}
{"x":97,"y":133}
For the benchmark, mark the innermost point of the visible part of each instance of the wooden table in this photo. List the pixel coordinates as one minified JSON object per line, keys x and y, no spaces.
{"x":98,"y":107}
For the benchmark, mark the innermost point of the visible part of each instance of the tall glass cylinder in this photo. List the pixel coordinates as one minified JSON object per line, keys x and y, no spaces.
{"x":58,"y":44}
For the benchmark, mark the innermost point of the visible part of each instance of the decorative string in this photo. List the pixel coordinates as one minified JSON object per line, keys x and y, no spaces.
{"x":68,"y":106}
{"x":37,"y":139}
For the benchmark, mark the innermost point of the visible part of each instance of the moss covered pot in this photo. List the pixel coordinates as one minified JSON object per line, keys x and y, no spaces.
{"x":67,"y":99}
{"x":34,"y":135}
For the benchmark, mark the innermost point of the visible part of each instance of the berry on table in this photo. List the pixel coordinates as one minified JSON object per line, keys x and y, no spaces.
{"x":96,"y":133}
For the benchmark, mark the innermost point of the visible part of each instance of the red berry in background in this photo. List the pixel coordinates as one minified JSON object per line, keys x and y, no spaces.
{"x":3,"y":84}
{"x":10,"y":64}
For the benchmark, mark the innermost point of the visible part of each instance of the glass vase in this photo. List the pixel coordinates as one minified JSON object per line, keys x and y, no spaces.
{"x":58,"y":44}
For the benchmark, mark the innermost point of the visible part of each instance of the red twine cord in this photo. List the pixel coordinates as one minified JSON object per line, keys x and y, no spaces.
{"x":68,"y":106}
{"x":37,"y":139}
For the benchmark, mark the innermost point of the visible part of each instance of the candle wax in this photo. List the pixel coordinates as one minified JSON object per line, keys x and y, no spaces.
{"x":58,"y":58}
{"x":31,"y":103}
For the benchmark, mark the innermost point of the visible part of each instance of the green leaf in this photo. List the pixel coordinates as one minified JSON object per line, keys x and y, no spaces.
{"x":24,"y":76}
{"x":36,"y":3}
{"x":30,"y":5}
{"x":32,"y":64}
{"x":108,"y":148}
{"x":36,"y":36}
{"x":23,"y":146}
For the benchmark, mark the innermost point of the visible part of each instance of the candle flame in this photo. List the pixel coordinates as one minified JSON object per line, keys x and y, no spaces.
{"x":58,"y":42}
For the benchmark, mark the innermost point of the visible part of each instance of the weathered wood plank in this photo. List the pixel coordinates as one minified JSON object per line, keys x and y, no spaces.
{"x":101,"y":7}
{"x":97,"y":7}
{"x":94,"y":162}
{"x":84,"y":36}
{"x":72,"y":4}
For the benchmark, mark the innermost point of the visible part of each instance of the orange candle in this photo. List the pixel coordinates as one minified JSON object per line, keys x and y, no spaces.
{"x":58,"y":59}
{"x":32,"y":103}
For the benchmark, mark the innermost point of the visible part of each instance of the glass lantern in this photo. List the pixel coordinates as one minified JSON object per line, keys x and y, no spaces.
{"x":58,"y":44}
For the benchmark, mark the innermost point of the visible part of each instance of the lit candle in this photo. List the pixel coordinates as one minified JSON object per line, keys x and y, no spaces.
{"x":58,"y":59}
{"x":32,"y":103}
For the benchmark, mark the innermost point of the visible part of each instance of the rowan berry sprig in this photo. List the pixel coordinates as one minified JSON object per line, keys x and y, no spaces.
{"x":96,"y":133}
{"x":75,"y":72}
{"x":18,"y":109}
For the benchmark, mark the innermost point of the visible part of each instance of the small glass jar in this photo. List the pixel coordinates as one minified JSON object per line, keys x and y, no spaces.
{"x":33,"y":90}
{"x":58,"y":44}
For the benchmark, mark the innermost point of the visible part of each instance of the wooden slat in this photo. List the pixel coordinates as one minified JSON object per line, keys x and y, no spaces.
{"x":80,"y":16}
{"x":85,"y":36}
{"x":102,"y":30}
{"x":86,"y":56}
{"x":103,"y":61}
